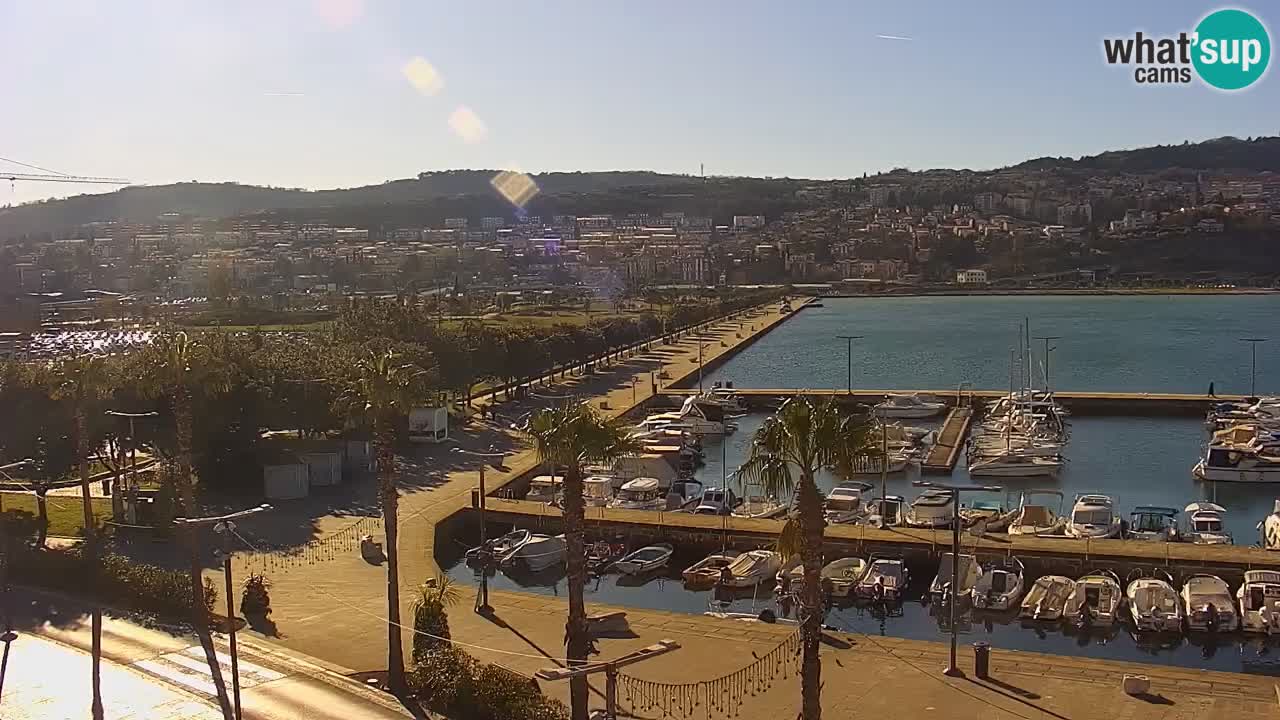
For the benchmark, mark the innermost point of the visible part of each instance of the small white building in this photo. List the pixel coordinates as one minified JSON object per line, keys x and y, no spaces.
{"x":971,"y":277}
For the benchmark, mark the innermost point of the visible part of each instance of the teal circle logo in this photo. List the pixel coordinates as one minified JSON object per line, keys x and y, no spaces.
{"x":1231,"y":50}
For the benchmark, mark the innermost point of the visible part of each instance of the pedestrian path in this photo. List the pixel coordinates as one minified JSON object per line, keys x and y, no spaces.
{"x":189,"y":668}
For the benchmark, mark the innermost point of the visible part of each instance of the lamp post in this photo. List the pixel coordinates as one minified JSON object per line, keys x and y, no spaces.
{"x":1047,"y":350}
{"x":848,"y":359}
{"x":700,"y":363}
{"x":955,"y":490}
{"x":1253,"y":367}
{"x":482,"y":598}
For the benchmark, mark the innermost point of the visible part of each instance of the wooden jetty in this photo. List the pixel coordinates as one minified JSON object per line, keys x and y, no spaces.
{"x":946,"y":450}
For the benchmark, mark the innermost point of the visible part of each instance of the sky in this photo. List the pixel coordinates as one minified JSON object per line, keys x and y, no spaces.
{"x":340,"y":93}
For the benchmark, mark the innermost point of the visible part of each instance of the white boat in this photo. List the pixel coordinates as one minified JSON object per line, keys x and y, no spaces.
{"x":1204,"y":524}
{"x":1046,"y":598}
{"x":1093,"y":516}
{"x":885,"y":581}
{"x":1154,"y":524}
{"x":759,"y":506}
{"x":545,"y":489}
{"x":968,"y":576}
{"x":502,"y":546}
{"x":684,"y":494}
{"x":1228,"y":462}
{"x":986,"y":516}
{"x":874,"y":463}
{"x":698,"y":415}
{"x":909,"y":406}
{"x":646,"y":559}
{"x":999,"y":585}
{"x":1259,"y":599}
{"x":885,"y":512}
{"x":752,"y":567}
{"x":716,"y":501}
{"x":843,"y":574}
{"x":597,"y":490}
{"x":539,"y":553}
{"x":1154,"y":605}
{"x":1207,"y":605}
{"x":1036,"y":519}
{"x":706,"y":572}
{"x":1014,"y":463}
{"x":1270,"y":528}
{"x":844,"y":503}
{"x":1095,"y":600}
{"x":640,"y":494}
{"x":932,"y":509}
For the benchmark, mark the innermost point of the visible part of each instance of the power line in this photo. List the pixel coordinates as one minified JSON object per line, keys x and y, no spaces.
{"x":33,"y":167}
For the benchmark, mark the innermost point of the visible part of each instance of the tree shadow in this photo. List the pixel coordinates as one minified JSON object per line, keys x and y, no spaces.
{"x":995,"y":687}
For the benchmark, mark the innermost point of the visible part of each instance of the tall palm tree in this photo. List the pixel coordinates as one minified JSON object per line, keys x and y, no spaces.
{"x":83,"y":381}
{"x":569,"y":437}
{"x":173,"y":366}
{"x":786,"y":454}
{"x":380,"y":398}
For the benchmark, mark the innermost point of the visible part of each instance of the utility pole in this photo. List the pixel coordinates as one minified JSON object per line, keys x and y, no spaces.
{"x":1047,"y":350}
{"x":848,"y":360}
{"x":192,"y":525}
{"x":952,"y":670}
{"x":610,"y":670}
{"x":1253,"y":368}
{"x":482,"y":597}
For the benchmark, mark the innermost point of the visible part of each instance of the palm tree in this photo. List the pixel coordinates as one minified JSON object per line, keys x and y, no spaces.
{"x":786,"y":454}
{"x":83,"y":381}
{"x":172,"y":366}
{"x":569,"y":437}
{"x":380,"y":397}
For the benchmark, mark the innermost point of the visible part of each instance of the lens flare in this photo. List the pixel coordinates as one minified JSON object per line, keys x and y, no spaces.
{"x":423,"y":76}
{"x":467,"y":125}
{"x":517,"y":187}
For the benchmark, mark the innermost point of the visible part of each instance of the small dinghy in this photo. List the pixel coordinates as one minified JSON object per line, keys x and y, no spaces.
{"x":999,"y":585}
{"x":885,"y":581}
{"x":499,"y":547}
{"x":646,"y":559}
{"x":602,"y":555}
{"x":1153,"y":605}
{"x":843,"y":574}
{"x":1095,"y":600}
{"x":706,"y":572}
{"x":1046,"y":598}
{"x":539,"y":553}
{"x":751,"y":568}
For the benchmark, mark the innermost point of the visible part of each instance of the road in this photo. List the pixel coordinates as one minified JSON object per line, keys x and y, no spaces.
{"x":154,"y":674}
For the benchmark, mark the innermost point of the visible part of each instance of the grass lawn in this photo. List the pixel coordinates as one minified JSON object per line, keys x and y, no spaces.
{"x":66,"y":514}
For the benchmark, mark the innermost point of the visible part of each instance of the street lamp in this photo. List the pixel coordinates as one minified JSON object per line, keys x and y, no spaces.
{"x":482,"y":598}
{"x":1253,"y":369}
{"x":1047,"y":350}
{"x":955,"y":490}
{"x":848,"y":358}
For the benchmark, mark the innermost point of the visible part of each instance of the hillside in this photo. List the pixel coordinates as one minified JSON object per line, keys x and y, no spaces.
{"x":1225,"y":153}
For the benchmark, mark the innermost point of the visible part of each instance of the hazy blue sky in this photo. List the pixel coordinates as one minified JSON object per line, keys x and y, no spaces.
{"x":315,"y":94}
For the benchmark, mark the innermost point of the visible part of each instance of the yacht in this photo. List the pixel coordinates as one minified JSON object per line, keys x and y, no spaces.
{"x":885,"y":581}
{"x":698,"y":415}
{"x":1037,"y":519}
{"x":1259,"y":599}
{"x":640,"y":494}
{"x":1093,"y":516}
{"x":874,"y":463}
{"x":909,"y":406}
{"x":597,"y":490}
{"x":932,"y":509}
{"x":646,"y":559}
{"x":1207,"y":605}
{"x":1095,"y":600}
{"x":684,"y":494}
{"x":887,"y":511}
{"x":716,"y":501}
{"x":706,"y":572}
{"x":1154,"y":524}
{"x":1270,"y":528}
{"x":752,"y":567}
{"x":539,"y":553}
{"x":999,"y":585}
{"x":545,"y":489}
{"x":844,"y":503}
{"x":843,"y":574}
{"x":1204,"y":524}
{"x":968,"y":572}
{"x":1154,"y":605}
{"x":1046,"y":598}
{"x":1251,"y":462}
{"x":1014,"y":463}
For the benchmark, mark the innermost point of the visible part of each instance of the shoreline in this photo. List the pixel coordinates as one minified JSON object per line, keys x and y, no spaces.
{"x":1063,"y":291}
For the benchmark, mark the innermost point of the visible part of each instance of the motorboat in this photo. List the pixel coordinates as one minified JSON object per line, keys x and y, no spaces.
{"x":999,"y":585}
{"x":684,"y":494}
{"x":844,"y":503}
{"x":1154,"y":605}
{"x":1014,"y":463}
{"x":1259,"y":599}
{"x":698,"y":415}
{"x":987,"y":516}
{"x":716,"y":501}
{"x":874,"y":463}
{"x":968,"y":572}
{"x":731,"y":401}
{"x":842,"y":575}
{"x":909,"y":405}
{"x":758,"y":506}
{"x":885,"y":581}
{"x":1229,"y":462}
{"x":646,"y":559}
{"x":1269,"y":528}
{"x":1207,"y":604}
{"x":706,"y":572}
{"x":545,"y":489}
{"x":597,"y":490}
{"x":886,"y":511}
{"x":1093,"y":516}
{"x":539,"y":553}
{"x":1046,"y":598}
{"x":1154,"y":524}
{"x":1095,"y":600}
{"x":641,"y":493}
{"x":752,"y":567}
{"x":602,"y":555}
{"x":790,"y":577}
{"x":1205,"y":525}
{"x":1036,"y":519}
{"x":932,"y":509}
{"x":500,"y":547}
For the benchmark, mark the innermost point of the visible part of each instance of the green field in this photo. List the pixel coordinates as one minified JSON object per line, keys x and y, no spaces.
{"x":66,"y":514}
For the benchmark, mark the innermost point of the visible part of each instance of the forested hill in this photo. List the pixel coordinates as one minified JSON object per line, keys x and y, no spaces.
{"x":1225,"y":153}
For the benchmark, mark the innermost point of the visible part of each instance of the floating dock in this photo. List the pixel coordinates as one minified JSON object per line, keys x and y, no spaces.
{"x":946,"y":450}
